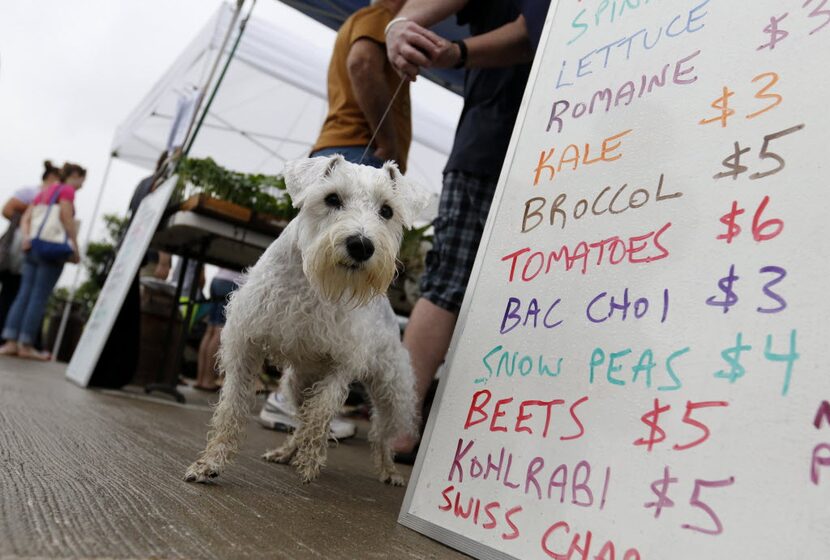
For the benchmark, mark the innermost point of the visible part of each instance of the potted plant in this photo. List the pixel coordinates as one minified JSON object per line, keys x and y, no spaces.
{"x":255,"y":200}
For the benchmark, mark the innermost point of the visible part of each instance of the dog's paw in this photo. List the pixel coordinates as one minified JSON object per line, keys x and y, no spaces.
{"x":280,"y":455}
{"x":307,"y":465}
{"x":201,"y":471}
{"x":392,"y":478}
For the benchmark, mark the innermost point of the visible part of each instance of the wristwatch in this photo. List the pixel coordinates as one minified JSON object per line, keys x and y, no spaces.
{"x":462,"y":48}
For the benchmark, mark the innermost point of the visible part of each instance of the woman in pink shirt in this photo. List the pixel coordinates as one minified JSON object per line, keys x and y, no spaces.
{"x":11,"y":254}
{"x":40,"y":276}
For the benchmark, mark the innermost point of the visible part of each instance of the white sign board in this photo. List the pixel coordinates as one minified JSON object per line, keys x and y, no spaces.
{"x":127,"y":262}
{"x":637,"y":371}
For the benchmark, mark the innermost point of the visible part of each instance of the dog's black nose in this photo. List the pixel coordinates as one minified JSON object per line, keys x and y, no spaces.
{"x":360,"y":248}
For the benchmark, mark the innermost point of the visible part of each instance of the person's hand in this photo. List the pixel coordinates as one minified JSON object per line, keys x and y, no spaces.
{"x":162,"y":271}
{"x":75,"y":258}
{"x":385,"y":154}
{"x":449,"y":55}
{"x":411,"y":47}
{"x":26,"y":244}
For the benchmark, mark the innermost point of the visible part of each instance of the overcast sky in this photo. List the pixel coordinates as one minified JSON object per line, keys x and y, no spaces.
{"x":72,"y":70}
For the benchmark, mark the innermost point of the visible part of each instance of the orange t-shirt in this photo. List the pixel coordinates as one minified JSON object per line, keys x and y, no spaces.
{"x":345,"y":124}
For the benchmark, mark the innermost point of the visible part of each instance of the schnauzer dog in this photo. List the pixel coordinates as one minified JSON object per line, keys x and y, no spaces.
{"x":314,"y":304}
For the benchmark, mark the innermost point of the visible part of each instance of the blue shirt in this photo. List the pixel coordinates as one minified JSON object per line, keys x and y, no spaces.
{"x":535,"y":12}
{"x":492,"y":97}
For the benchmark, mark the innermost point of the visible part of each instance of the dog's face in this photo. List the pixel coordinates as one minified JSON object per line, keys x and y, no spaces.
{"x":350,"y":223}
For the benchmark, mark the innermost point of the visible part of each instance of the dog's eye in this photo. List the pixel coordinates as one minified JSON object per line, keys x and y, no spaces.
{"x":386,"y":212}
{"x":333,"y":201}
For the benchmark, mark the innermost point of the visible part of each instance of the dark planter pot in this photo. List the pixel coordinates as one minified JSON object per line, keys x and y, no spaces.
{"x":158,"y":361}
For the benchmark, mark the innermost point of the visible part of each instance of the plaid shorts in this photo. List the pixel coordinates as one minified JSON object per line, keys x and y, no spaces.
{"x":462,"y":213}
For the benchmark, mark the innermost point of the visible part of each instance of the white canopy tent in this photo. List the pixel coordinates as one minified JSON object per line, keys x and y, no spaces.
{"x":268,"y":110}
{"x":271,"y":104}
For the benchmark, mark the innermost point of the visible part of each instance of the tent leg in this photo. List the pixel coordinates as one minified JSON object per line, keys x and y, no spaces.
{"x":68,"y":306}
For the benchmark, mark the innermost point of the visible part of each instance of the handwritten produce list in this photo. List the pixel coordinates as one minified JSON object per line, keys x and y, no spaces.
{"x":640,"y":369}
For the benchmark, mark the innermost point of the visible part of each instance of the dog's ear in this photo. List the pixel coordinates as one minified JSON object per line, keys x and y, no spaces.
{"x":303,"y":173}
{"x":411,"y":198}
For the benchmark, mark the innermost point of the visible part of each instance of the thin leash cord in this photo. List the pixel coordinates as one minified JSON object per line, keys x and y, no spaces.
{"x":382,"y":119}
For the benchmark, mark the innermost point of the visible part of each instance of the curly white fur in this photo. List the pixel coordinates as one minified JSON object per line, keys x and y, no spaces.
{"x":311,"y":308}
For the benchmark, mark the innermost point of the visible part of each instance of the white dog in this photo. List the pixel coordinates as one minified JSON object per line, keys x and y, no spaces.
{"x":315,"y":305}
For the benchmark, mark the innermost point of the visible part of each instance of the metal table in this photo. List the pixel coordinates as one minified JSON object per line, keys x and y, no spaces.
{"x":207,"y":240}
{"x":213,"y":241}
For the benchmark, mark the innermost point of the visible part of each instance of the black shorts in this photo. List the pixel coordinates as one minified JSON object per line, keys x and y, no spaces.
{"x":462,"y":213}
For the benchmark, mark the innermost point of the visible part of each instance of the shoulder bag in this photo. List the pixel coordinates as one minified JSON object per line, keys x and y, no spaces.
{"x":51,"y":242}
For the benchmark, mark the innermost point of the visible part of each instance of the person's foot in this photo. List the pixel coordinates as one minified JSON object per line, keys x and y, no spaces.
{"x":9,"y":349}
{"x":278,"y":414}
{"x":30,"y":353}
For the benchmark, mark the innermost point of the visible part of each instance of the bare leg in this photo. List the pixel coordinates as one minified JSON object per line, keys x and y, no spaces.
{"x":212,"y":367}
{"x":427,"y":337}
{"x":209,"y":358}
{"x":203,"y":358}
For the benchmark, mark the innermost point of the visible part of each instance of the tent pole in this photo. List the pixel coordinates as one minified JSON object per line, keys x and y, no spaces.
{"x":221,"y":77}
{"x":191,"y":133}
{"x":190,"y":136}
{"x":78,"y":267}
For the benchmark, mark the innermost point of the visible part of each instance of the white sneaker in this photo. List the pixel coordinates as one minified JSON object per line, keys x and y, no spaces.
{"x":279,"y":414}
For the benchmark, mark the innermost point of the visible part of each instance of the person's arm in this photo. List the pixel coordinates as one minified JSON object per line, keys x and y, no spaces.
{"x":13,"y":206}
{"x":67,"y":215}
{"x":503,"y":46}
{"x":409,"y":44}
{"x":163,"y":266}
{"x":429,"y":12}
{"x":365,"y":63}
{"x":26,"y":228}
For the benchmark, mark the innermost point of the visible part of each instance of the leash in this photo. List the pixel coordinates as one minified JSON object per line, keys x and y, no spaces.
{"x":382,"y":119}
